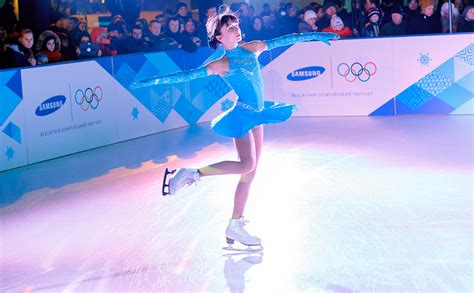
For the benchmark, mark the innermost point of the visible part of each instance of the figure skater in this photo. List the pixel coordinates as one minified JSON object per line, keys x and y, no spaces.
{"x":244,"y":121}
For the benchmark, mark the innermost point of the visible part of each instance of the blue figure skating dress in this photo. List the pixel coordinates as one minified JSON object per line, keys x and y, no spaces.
{"x":249,"y":110}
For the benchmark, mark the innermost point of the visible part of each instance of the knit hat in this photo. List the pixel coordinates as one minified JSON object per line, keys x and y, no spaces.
{"x":309,"y":14}
{"x":425,"y":3}
{"x":373,"y":11}
{"x":336,"y":20}
{"x":397,"y":9}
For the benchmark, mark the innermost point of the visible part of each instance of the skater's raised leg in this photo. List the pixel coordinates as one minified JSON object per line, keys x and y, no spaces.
{"x":247,"y":159}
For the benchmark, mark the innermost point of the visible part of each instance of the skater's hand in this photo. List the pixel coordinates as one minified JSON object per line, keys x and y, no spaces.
{"x":326,"y":37}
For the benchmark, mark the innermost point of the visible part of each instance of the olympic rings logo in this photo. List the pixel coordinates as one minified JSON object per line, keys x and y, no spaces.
{"x":357,"y":71}
{"x":89,"y":98}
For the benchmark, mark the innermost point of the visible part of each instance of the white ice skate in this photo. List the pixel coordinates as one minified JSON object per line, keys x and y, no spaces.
{"x":236,"y":232}
{"x":179,"y":179}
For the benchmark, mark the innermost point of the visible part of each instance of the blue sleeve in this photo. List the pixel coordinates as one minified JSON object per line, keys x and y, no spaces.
{"x":177,"y":77}
{"x":295,"y":38}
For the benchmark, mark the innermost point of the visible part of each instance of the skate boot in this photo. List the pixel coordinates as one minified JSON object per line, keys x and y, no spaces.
{"x":179,"y":179}
{"x":236,"y":232}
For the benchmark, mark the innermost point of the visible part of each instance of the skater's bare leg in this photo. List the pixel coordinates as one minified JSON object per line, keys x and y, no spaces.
{"x":247,"y":159}
{"x":243,"y":188}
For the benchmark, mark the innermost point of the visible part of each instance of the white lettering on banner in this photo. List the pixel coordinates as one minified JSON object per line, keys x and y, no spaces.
{"x":305,"y":73}
{"x":51,"y":105}
{"x":331,"y":94}
{"x":71,"y":127}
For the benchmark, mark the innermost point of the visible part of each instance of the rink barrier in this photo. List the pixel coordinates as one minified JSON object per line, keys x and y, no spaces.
{"x":56,"y":110}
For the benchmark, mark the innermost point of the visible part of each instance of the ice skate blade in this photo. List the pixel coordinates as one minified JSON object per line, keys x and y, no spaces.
{"x":249,"y":248}
{"x":165,"y":190}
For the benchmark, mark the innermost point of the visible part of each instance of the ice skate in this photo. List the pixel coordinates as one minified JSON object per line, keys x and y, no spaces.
{"x":180,"y":178}
{"x":236,"y":232}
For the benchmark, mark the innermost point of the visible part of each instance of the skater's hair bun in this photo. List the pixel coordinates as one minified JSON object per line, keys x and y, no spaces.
{"x":215,"y":24}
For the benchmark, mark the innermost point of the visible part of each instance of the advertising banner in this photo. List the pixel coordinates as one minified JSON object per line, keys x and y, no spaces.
{"x":346,"y":78}
{"x":68,"y":108}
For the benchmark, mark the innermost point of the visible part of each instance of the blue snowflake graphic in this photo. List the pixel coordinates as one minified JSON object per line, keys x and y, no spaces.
{"x":135,"y":113}
{"x":424,"y":59}
{"x":10,"y":153}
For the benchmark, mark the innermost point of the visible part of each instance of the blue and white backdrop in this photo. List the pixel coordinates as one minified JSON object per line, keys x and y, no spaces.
{"x":52,"y":111}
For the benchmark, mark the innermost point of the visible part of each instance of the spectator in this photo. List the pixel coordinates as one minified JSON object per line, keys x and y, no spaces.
{"x":49,"y":44}
{"x":117,"y":41}
{"x":182,"y":12}
{"x":372,"y":27}
{"x":251,"y":11}
{"x":363,"y":19}
{"x":309,"y":24}
{"x":211,"y":12}
{"x":157,"y":40}
{"x":459,"y":5}
{"x":397,"y":26}
{"x":320,"y":13}
{"x":87,"y":48}
{"x":466,"y":24}
{"x":7,"y":16}
{"x":19,"y":53}
{"x":267,"y":11}
{"x":193,"y":34}
{"x":176,"y":32}
{"x":385,"y":8}
{"x":345,"y":16}
{"x":257,"y":31}
{"x":143,"y":24}
{"x":425,"y":22}
{"x":337,"y":27}
{"x":268,"y":26}
{"x":412,"y":9}
{"x":244,"y":19}
{"x":69,"y":49}
{"x":330,"y":10}
{"x":121,"y":21}
{"x":289,"y":23}
{"x":445,"y":18}
{"x":162,"y":20}
{"x":136,"y":42}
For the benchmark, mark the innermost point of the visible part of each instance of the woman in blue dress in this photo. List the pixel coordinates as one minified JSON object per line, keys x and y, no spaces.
{"x":244,"y":121}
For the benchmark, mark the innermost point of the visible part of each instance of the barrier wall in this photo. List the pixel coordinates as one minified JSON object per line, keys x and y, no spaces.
{"x":52,"y":111}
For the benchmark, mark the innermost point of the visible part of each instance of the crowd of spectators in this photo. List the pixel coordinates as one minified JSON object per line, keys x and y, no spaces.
{"x":69,"y":38}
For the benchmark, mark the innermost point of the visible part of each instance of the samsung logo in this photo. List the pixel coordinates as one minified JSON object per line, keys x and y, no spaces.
{"x":306,"y":73}
{"x":51,"y":105}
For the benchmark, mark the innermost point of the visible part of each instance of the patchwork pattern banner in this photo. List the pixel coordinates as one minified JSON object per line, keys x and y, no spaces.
{"x":56,"y":110}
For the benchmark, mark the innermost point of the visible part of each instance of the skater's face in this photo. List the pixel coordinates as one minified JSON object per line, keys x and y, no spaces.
{"x":230,"y":34}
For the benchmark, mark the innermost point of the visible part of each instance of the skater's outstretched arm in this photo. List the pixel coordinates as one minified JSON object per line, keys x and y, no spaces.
{"x":176,"y":77}
{"x":302,"y":37}
{"x":215,"y":67}
{"x":260,"y":46}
